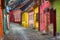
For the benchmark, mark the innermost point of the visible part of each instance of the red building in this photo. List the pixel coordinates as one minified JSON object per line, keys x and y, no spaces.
{"x":44,"y":15}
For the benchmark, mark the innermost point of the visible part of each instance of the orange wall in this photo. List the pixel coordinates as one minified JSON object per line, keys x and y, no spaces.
{"x":1,"y":24}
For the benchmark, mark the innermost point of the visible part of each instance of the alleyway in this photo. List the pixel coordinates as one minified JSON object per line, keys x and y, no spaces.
{"x":17,"y":32}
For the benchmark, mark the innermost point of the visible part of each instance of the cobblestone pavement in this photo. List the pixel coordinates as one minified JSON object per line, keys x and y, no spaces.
{"x":17,"y":32}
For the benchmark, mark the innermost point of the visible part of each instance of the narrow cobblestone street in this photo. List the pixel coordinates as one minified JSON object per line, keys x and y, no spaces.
{"x":29,"y":19}
{"x":17,"y":32}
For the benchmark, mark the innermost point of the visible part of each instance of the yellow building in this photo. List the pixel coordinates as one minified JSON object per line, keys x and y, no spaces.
{"x":25,"y":19}
{"x":36,"y":17}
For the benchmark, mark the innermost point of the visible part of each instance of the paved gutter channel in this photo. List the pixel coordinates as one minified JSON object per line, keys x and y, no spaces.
{"x":17,"y":32}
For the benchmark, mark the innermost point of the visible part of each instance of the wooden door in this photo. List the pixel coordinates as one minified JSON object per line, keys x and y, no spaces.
{"x":31,"y":19}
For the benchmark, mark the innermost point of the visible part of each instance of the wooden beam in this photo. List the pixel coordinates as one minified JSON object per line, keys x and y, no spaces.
{"x":2,"y":4}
